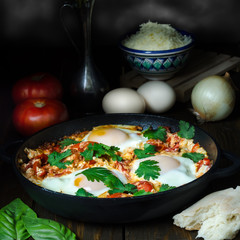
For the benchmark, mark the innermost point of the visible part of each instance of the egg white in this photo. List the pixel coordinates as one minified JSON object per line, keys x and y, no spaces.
{"x":67,"y":183}
{"x":176,"y":175}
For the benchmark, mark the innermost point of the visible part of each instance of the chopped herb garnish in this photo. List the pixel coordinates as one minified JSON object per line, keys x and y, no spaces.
{"x":96,"y":173}
{"x":160,"y":133}
{"x":148,"y":169}
{"x":55,"y":159}
{"x":67,"y":141}
{"x":141,"y":193}
{"x":185,"y":130}
{"x":99,"y":150}
{"x":111,"y":181}
{"x":194,"y":156}
{"x":124,"y":188}
{"x":165,"y":187}
{"x":81,"y":192}
{"x":149,"y":150}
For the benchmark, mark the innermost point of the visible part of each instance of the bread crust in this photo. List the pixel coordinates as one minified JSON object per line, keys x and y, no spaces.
{"x":216,"y":216}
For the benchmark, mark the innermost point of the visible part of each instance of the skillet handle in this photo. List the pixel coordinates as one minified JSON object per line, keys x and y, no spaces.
{"x":8,"y":150}
{"x":228,"y":171}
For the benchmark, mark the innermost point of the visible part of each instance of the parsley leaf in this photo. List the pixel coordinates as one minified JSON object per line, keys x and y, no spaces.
{"x":194,"y":156}
{"x":186,"y":131}
{"x":160,"y":133}
{"x":99,"y":149}
{"x":141,"y":193}
{"x":55,"y":158}
{"x":127,"y":188}
{"x":165,"y":187}
{"x":148,"y":169}
{"x":81,"y":192}
{"x":67,"y":141}
{"x":96,"y":173}
{"x":88,"y":153}
{"x":111,"y":181}
{"x":149,"y":150}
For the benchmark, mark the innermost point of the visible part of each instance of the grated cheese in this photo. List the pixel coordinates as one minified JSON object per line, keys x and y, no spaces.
{"x":154,"y":36}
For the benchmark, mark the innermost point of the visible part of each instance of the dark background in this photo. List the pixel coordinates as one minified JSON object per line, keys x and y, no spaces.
{"x":33,"y":38}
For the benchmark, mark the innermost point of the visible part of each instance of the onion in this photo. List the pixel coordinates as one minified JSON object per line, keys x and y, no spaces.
{"x":213,"y":98}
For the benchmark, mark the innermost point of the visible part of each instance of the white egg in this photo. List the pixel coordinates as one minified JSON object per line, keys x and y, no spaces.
{"x":116,"y":136}
{"x":70,"y":183}
{"x":174,"y":171}
{"x":123,"y":100}
{"x":158,"y":95}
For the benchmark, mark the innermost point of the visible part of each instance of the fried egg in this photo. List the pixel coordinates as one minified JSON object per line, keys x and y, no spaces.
{"x":174,"y":171}
{"x":70,"y":183}
{"x":116,"y":135}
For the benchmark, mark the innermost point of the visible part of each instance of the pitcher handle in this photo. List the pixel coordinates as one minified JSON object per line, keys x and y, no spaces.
{"x":73,"y":6}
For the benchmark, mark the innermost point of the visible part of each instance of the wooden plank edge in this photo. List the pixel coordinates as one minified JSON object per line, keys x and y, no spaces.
{"x":183,"y":92}
{"x":198,"y":69}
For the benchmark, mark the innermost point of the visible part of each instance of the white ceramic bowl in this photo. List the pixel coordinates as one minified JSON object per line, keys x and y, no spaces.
{"x":158,"y":65}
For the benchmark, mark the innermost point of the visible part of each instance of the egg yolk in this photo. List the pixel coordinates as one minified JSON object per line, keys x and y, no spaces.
{"x":108,"y":136}
{"x":167,"y":163}
{"x":82,"y":182}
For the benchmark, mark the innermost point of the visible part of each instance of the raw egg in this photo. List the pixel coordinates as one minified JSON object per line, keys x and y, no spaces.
{"x":123,"y":100}
{"x":70,"y":183}
{"x":159,"y":96}
{"x":174,"y":171}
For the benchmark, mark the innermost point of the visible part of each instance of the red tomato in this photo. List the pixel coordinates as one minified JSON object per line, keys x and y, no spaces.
{"x":145,"y":185}
{"x":39,"y":85}
{"x":32,"y":115}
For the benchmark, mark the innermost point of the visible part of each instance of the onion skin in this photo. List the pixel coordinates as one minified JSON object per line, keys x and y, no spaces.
{"x":213,"y":98}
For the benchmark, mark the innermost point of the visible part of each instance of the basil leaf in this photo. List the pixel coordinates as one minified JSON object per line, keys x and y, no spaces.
{"x":46,"y":229}
{"x":11,"y":224}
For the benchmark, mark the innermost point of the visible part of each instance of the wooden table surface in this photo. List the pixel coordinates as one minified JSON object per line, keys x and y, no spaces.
{"x":226,"y":133}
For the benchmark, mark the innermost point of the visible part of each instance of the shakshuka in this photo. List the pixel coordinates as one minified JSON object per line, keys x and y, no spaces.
{"x":115,"y":161}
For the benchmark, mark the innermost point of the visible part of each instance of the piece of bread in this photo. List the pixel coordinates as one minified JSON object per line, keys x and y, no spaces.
{"x":216,"y":216}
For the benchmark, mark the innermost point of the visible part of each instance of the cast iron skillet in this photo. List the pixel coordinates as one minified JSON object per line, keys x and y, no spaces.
{"x":122,"y":210}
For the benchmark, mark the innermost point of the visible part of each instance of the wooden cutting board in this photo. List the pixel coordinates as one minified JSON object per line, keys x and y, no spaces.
{"x":200,"y":65}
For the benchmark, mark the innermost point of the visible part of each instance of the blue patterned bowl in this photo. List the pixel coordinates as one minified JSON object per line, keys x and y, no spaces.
{"x":158,"y":65}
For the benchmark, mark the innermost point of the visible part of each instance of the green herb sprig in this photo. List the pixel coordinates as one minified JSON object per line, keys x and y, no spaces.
{"x":166,"y":187}
{"x":148,"y":169}
{"x":159,"y":133}
{"x":194,"y":156}
{"x":185,"y":130}
{"x":55,"y":159}
{"x":67,"y":141}
{"x":81,"y":192}
{"x":111,"y":181}
{"x":99,"y":150}
{"x":149,"y":150}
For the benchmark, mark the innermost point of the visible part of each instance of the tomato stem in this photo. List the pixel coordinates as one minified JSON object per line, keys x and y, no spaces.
{"x":38,"y":77}
{"x":39,"y":104}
